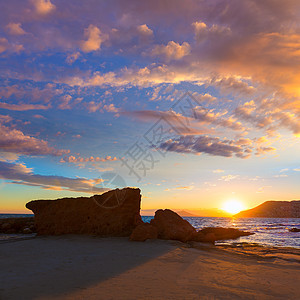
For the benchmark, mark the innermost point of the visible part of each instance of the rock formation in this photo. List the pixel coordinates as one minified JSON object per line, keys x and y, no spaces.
{"x":171,"y":226}
{"x":273,"y":209}
{"x":114,"y":213}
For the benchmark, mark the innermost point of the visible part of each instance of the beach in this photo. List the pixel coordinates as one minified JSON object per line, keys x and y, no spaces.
{"x":84,"y":267}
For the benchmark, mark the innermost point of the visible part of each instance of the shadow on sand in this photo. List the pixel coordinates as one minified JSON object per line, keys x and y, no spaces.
{"x":56,"y":266}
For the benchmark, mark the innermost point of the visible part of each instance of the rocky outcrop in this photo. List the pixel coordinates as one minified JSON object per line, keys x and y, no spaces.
{"x":144,"y":232}
{"x":17,"y":225}
{"x":114,"y":213}
{"x":171,"y":226}
{"x":212,"y":234}
{"x":273,"y":209}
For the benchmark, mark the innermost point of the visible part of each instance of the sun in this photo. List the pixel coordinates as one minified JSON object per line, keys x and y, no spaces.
{"x":233,"y":206}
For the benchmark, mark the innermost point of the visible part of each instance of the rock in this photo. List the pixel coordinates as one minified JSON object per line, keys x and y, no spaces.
{"x":171,"y":226}
{"x":143,"y":232}
{"x":27,"y":230}
{"x":16,"y":225}
{"x":210,"y":234}
{"x":294,"y":229}
{"x":204,"y":237}
{"x":114,"y":213}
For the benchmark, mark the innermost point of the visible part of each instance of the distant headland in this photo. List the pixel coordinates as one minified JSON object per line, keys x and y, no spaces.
{"x":273,"y":209}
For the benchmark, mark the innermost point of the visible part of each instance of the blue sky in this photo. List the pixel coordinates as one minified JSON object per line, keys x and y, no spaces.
{"x":82,"y":84}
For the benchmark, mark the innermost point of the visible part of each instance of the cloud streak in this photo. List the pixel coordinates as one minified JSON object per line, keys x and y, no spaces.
{"x":18,"y":173}
{"x":205,"y":144}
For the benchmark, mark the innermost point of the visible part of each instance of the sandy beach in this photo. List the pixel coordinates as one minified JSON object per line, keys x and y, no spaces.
{"x":74,"y":267}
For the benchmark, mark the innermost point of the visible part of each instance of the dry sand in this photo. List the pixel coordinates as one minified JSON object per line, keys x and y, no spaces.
{"x":72,"y":267}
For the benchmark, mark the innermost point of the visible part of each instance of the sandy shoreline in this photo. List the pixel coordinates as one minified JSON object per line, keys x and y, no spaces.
{"x":72,"y":267}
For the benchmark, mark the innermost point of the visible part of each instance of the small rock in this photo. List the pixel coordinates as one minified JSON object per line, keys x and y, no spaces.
{"x":142,"y":232}
{"x":27,"y":230}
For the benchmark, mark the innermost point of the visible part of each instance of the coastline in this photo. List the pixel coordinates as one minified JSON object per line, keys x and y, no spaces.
{"x":85,"y":267}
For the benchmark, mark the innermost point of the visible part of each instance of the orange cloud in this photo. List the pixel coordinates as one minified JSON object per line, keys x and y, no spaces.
{"x":94,"y":39}
{"x":43,"y":7}
{"x":172,"y":50}
{"x":15,"y":29}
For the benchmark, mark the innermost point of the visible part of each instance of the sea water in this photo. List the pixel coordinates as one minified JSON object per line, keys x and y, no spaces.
{"x":268,"y":231}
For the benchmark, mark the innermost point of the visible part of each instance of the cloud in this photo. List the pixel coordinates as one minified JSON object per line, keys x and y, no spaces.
{"x":15,"y":141}
{"x":94,"y":39}
{"x":179,"y":123}
{"x":172,"y":50}
{"x":187,"y":187}
{"x":73,"y":159}
{"x":268,"y":114}
{"x":218,"y":171}
{"x":151,"y":75}
{"x":202,"y":31}
{"x":205,"y":144}
{"x":193,"y":119}
{"x":280,"y":176}
{"x":262,"y":189}
{"x":43,"y":7}
{"x":229,"y":177}
{"x":264,"y":150}
{"x":65,"y":102}
{"x":20,"y":174}
{"x":3,"y":44}
{"x":144,"y":30}
{"x":5,"y":118}
{"x":72,"y":57}
{"x":111,"y":108}
{"x":15,"y":28}
{"x":234,"y":86}
{"x":23,"y":106}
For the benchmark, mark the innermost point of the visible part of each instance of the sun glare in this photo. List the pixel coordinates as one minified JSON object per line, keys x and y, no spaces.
{"x":233,"y":206}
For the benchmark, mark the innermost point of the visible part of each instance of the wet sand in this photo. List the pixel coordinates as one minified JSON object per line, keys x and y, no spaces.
{"x":72,"y":267}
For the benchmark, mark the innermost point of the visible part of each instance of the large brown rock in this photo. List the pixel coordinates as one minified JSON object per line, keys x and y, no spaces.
{"x":143,"y":232}
{"x":171,"y":226}
{"x":114,"y":213}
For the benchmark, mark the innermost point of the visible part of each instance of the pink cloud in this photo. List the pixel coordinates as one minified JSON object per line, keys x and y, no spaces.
{"x":15,"y":141}
{"x":23,"y":106}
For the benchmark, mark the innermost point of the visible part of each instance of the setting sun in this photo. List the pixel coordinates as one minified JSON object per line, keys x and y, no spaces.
{"x":233,"y":206}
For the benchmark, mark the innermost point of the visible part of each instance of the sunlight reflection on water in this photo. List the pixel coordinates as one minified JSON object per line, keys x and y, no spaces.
{"x":268,"y":231}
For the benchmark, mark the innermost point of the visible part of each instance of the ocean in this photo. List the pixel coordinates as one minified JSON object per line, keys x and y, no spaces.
{"x":268,"y":231}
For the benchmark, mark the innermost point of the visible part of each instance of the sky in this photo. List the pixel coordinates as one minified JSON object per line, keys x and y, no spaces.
{"x":194,"y":102}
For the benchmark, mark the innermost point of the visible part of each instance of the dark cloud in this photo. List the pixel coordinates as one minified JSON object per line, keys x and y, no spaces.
{"x":205,"y":144}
